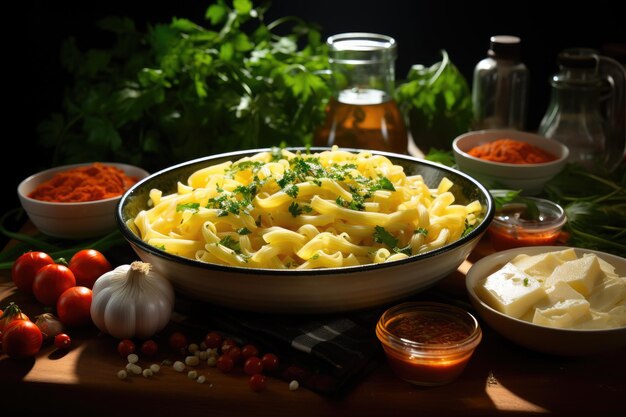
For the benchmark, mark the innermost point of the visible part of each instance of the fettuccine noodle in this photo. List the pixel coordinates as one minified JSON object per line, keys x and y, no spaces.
{"x":281,"y":209}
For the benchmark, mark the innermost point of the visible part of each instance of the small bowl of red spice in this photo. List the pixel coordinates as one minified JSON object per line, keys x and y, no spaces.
{"x":525,"y":221}
{"x":510,"y":159}
{"x":428,"y":343}
{"x":77,"y":201}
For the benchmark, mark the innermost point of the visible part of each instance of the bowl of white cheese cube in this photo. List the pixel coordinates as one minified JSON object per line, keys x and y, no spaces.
{"x":553,"y":299}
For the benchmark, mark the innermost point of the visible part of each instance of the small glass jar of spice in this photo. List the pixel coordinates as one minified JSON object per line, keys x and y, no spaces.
{"x":428,"y":343}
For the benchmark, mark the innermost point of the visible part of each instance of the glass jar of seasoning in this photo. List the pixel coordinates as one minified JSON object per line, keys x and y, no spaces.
{"x":362,"y":113}
{"x":428,"y":343}
{"x":500,"y":86}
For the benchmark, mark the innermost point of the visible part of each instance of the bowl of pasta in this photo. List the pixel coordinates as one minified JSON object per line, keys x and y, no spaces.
{"x":305,"y":231}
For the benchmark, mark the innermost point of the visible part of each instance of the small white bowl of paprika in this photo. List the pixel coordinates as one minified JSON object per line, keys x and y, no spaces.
{"x":77,"y":201}
{"x":510,"y":159}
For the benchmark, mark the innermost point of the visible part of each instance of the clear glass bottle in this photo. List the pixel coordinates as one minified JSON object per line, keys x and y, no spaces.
{"x":500,"y":86}
{"x":576,"y":115}
{"x":362,"y":113}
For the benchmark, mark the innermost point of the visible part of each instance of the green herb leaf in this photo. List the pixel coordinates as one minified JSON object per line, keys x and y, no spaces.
{"x":188,"y":206}
{"x":384,"y":237}
{"x":295,"y":209}
{"x":231,"y":243}
{"x":420,"y":230}
{"x":243,"y":231}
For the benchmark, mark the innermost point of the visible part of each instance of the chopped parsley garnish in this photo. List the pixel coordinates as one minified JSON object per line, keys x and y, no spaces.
{"x":316,"y":256}
{"x":277,"y":154}
{"x":188,"y":206}
{"x":468,"y":229}
{"x":386,"y":238}
{"x":525,"y":282}
{"x":231,"y":243}
{"x":357,"y":203}
{"x":383,"y":183}
{"x":244,"y":231}
{"x":255,"y":166}
{"x":296,"y":209}
{"x":420,"y":231}
{"x":162,"y":247}
{"x":291,"y":190}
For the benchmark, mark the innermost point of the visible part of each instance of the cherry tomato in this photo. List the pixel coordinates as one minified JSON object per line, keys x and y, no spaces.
{"x":62,"y":341}
{"x":225,"y":363}
{"x":25,"y":268}
{"x":51,"y":281}
{"x":178,"y":341}
{"x":21,"y":339}
{"x":88,"y":265}
{"x":213,"y":340}
{"x":248,"y":351}
{"x":227,"y":344}
{"x":11,"y":313}
{"x":74,"y":305}
{"x":235,"y":353}
{"x":149,"y":348}
{"x":125,"y":347}
{"x":253,"y":365}
{"x":270,"y":362}
{"x":258,"y":382}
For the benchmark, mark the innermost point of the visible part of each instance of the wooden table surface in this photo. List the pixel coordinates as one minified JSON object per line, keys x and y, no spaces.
{"x":501,"y":379}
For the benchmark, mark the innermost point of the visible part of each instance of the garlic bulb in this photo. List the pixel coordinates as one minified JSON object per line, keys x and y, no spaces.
{"x":132,"y":301}
{"x":49,"y":325}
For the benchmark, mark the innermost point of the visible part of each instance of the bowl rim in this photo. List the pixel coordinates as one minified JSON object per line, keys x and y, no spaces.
{"x":61,"y":168}
{"x":458,"y":150}
{"x":509,"y":254}
{"x":136,"y":241}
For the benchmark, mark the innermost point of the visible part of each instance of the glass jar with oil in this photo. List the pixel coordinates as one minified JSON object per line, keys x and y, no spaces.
{"x":362,"y":113}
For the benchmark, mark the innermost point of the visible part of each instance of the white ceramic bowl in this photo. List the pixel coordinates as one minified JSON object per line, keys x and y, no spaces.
{"x":545,"y":339}
{"x":72,"y":220}
{"x":530,"y":178}
{"x":305,"y":291}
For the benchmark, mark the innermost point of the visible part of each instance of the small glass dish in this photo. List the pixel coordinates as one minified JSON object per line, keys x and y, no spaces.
{"x":428,"y":343}
{"x":526,"y":221}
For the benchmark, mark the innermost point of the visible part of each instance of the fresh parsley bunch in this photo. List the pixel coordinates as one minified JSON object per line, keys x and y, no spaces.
{"x":182,"y":90}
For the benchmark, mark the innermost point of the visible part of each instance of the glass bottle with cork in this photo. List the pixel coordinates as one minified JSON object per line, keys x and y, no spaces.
{"x":500,"y":86}
{"x":362,"y":113}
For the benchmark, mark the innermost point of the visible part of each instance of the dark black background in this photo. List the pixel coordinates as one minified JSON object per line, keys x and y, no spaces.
{"x":421,"y":28}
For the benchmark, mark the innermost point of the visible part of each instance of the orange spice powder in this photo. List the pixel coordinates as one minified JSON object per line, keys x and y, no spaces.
{"x":86,"y":183}
{"x":512,"y":152}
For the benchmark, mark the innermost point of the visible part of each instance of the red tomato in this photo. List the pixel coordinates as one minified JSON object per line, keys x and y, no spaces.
{"x":149,"y":348}
{"x":248,"y":351}
{"x":235,"y":353}
{"x":62,"y":341}
{"x":258,"y":382}
{"x":51,"y":281}
{"x":225,"y":363}
{"x":270,"y":362}
{"x":25,"y":268}
{"x":88,"y":265}
{"x":213,"y":340}
{"x":178,"y":341}
{"x":21,"y":339}
{"x":125,"y":347}
{"x":74,"y":305}
{"x":253,"y":365}
{"x":11,"y":313}
{"x":227,"y":344}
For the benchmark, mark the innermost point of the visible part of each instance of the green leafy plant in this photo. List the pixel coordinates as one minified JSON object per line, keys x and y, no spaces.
{"x":182,"y":90}
{"x":437,"y":104}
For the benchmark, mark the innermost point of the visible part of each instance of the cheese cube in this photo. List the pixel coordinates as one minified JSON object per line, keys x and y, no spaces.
{"x":561,"y":291}
{"x":607,"y":268}
{"x":510,"y":291}
{"x":561,"y":314}
{"x":618,"y":315}
{"x":581,"y":274}
{"x":607,"y":293}
{"x":594,"y":320}
{"x":541,"y":266}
